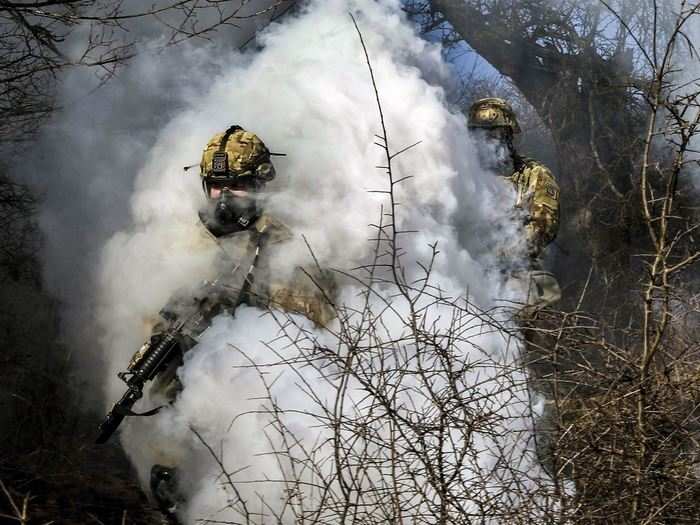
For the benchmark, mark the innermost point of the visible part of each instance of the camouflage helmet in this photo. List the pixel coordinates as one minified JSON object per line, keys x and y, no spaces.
{"x":236,"y":154}
{"x":493,"y":113}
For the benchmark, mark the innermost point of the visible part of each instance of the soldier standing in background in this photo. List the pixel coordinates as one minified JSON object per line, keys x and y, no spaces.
{"x":536,"y":207}
{"x":536,"y":195}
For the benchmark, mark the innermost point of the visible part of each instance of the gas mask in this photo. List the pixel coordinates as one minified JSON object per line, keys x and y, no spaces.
{"x":494,"y":150}
{"x":230,"y":210}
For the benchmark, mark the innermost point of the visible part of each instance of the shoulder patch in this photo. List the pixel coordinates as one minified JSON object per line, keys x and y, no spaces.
{"x":551,"y":190}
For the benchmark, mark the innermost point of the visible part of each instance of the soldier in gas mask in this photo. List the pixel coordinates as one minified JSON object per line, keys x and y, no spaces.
{"x":536,"y":213}
{"x":235,"y":167}
{"x":493,"y":124}
{"x":234,"y":170}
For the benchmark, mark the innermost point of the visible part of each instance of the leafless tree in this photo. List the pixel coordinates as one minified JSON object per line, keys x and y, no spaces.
{"x":42,"y":426}
{"x":39,"y":39}
{"x":581,"y":66}
{"x":427,"y":424}
{"x":622,"y":411}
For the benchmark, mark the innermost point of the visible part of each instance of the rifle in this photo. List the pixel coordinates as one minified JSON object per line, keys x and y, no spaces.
{"x":186,"y":321}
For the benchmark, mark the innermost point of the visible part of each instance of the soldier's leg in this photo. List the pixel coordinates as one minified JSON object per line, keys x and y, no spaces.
{"x":165,"y":473}
{"x":165,"y":492}
{"x":542,"y":290}
{"x":538,"y":326}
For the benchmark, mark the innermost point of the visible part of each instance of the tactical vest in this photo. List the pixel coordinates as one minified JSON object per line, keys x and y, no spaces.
{"x":537,"y":194}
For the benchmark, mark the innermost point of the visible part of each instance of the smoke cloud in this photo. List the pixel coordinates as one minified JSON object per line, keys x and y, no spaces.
{"x":307,"y":93}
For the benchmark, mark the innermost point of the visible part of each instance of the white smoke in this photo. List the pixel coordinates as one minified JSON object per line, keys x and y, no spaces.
{"x":306,"y":93}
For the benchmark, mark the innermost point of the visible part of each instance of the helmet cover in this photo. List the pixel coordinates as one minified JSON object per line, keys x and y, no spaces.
{"x":492,"y":113}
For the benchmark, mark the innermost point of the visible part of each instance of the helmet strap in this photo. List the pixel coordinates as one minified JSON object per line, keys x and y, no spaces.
{"x":224,"y":140}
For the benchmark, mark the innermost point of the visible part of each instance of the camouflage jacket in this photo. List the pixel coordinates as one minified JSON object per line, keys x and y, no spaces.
{"x":537,"y":196}
{"x":274,"y":284}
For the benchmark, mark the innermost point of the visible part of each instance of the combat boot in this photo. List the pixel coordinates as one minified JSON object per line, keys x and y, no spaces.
{"x":165,"y":492}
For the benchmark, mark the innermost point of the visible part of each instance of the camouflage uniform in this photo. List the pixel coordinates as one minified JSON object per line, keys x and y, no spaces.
{"x":295,"y":292}
{"x":537,"y":199}
{"x":538,"y":196}
{"x":238,"y":160}
{"x":248,"y":158}
{"x":308,"y":291}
